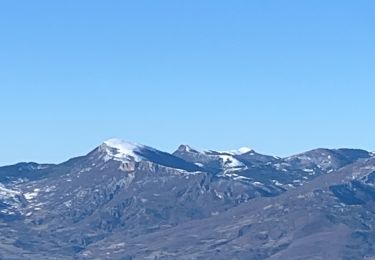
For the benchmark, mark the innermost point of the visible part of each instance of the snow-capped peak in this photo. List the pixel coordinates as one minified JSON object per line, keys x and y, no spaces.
{"x":121,"y":149}
{"x":239,"y":151}
{"x":243,"y":150}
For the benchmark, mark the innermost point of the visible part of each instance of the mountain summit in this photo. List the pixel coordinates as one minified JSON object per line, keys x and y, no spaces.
{"x":125,"y":150}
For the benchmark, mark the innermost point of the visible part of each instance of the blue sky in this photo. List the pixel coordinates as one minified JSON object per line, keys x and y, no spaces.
{"x":278,"y":76}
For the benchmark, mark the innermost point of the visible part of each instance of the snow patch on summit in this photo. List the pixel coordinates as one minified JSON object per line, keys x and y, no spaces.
{"x":123,"y":150}
{"x":242,"y":150}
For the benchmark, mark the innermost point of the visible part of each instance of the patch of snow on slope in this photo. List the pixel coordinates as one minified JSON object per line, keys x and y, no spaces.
{"x":190,"y":149}
{"x":230,"y":162}
{"x":6,"y":193}
{"x":32,"y":195}
{"x":11,"y":200}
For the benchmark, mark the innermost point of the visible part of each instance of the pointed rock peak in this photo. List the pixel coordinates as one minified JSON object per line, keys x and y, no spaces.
{"x":187,"y":149}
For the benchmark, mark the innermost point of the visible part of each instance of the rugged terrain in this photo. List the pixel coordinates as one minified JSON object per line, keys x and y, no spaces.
{"x":129,"y":201}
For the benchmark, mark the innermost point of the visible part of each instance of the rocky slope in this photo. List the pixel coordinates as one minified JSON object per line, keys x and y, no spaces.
{"x":129,"y":201}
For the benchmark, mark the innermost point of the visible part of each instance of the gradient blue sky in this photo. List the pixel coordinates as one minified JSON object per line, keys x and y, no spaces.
{"x":278,"y":76}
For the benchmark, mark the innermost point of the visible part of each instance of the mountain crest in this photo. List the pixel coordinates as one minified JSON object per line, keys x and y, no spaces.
{"x":124,"y":150}
{"x":187,"y":149}
{"x":242,"y":150}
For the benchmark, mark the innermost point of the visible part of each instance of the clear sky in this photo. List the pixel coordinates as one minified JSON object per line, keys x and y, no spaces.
{"x":278,"y":76}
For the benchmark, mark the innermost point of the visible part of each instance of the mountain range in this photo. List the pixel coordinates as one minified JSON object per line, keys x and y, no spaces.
{"x":125,"y":200}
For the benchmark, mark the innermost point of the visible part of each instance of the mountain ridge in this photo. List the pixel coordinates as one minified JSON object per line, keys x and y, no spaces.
{"x":113,"y":203}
